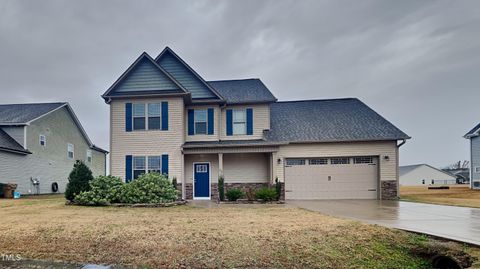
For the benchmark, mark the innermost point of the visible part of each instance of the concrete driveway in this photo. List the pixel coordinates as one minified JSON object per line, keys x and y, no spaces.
{"x":452,"y":222}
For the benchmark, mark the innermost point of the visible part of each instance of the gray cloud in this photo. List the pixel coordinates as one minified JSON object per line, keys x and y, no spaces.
{"x":415,"y":62}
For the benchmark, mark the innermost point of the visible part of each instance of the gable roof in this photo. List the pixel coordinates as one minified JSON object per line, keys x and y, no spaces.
{"x":403,"y":170}
{"x":22,"y":114}
{"x":243,"y":91}
{"x":473,"y":132}
{"x":144,"y":76}
{"x":332,"y":120}
{"x":7,"y":143}
{"x":186,"y":76}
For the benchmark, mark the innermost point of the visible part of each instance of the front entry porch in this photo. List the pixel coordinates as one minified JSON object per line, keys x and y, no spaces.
{"x":245,"y":170}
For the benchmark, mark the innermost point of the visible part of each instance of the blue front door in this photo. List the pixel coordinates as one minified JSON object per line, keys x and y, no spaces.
{"x":202,"y":180}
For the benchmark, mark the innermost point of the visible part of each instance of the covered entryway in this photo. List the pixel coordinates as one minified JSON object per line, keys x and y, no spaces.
{"x":331,"y":178}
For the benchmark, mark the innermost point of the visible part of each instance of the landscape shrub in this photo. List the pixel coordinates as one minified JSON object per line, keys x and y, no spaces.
{"x":266,"y":194}
{"x":104,"y":190}
{"x":78,"y":180}
{"x":221,"y":188}
{"x":234,"y":194}
{"x":278,"y":188}
{"x":148,"y":188}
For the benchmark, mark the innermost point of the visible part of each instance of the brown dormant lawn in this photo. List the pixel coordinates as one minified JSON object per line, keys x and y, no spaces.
{"x":458,"y":195}
{"x":270,"y":236}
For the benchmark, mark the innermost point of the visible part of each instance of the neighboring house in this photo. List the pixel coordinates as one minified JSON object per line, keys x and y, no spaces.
{"x":39,"y":144}
{"x":165,"y":117}
{"x":424,"y":175}
{"x":462,"y":174}
{"x":473,"y":136}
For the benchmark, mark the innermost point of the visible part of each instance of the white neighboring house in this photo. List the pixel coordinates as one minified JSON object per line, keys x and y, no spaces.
{"x":424,"y":174}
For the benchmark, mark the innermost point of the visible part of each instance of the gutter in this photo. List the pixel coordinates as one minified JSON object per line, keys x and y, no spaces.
{"x":401,"y":143}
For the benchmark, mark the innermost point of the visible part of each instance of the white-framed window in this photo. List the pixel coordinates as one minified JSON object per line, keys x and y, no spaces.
{"x":361,"y":160}
{"x":154,"y":116}
{"x":139,"y":117}
{"x":318,"y":161}
{"x":239,"y":122}
{"x":42,"y":140}
{"x":139,"y":166}
{"x":154,"y":164}
{"x":70,"y":151}
{"x":295,"y":161}
{"x":200,"y":120}
{"x":342,"y":160}
{"x":477,"y":169}
{"x":89,"y":156}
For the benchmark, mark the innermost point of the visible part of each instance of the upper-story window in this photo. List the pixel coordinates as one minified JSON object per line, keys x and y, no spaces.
{"x":239,"y":122}
{"x":70,"y":151}
{"x":89,"y":156}
{"x":139,"y":117}
{"x":200,"y":121}
{"x":147,"y":116}
{"x":42,"y":140}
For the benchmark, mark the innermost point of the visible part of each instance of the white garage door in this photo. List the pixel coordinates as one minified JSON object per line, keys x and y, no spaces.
{"x":331,"y":178}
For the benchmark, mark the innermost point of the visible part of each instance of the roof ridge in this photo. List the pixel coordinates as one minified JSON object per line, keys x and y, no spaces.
{"x":236,"y":79}
{"x":46,"y":103}
{"x":318,"y":100}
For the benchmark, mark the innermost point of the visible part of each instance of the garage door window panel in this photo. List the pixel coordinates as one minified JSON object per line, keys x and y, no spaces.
{"x":340,"y":160}
{"x":363,"y":160}
{"x":319,"y":161}
{"x":292,"y":162}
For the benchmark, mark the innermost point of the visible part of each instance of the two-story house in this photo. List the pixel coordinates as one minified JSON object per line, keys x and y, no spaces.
{"x":39,"y":143}
{"x":165,"y":117}
{"x":474,"y":136}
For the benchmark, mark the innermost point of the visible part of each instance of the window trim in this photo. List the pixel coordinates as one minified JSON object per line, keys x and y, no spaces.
{"x":89,"y":154}
{"x":244,"y":112}
{"x":44,"y":140}
{"x":68,"y":151}
{"x":195,"y":120}
{"x":146,"y":116}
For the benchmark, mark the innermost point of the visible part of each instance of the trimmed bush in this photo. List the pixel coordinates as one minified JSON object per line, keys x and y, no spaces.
{"x":151,"y":188}
{"x":221,"y":188}
{"x":234,"y":194}
{"x":278,"y":188}
{"x":266,"y":194}
{"x":78,"y":180}
{"x":103,"y":191}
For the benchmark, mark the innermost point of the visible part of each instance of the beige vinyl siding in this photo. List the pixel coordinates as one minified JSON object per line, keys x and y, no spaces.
{"x":246,"y":168}
{"x":387,"y":168}
{"x":199,"y":158}
{"x":215,"y":136}
{"x":49,"y":164}
{"x":261,"y":121}
{"x":150,"y":142}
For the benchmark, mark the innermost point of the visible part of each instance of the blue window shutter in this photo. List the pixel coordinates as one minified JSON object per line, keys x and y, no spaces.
{"x":211,"y":122}
{"x":229,"y":122}
{"x":191,"y":121}
{"x":128,"y":168}
{"x":165,"y":164}
{"x":128,"y":117}
{"x":164,"y":116}
{"x":249,"y":121}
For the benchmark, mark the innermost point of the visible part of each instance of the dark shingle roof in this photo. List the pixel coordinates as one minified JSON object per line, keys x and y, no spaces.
{"x":331,"y":120}
{"x":23,"y":113}
{"x":472,"y":132}
{"x":9,"y":144}
{"x":243,"y":91}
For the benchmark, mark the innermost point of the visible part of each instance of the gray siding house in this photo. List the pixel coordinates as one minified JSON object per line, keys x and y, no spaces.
{"x":39,"y":143}
{"x":165,"y":117}
{"x":474,"y":136}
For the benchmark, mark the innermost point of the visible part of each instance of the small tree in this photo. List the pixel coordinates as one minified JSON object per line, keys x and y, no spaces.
{"x":78,"y":180}
{"x":221,"y":188}
{"x":278,"y":188}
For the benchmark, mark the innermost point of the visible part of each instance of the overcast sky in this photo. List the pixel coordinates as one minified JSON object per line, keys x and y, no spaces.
{"x":417,"y":63}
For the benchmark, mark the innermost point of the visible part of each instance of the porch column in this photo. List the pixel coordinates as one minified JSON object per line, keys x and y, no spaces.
{"x":220,"y":164}
{"x":183,"y":176}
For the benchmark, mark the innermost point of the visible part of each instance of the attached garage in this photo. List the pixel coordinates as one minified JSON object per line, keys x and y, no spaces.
{"x":332,"y":178}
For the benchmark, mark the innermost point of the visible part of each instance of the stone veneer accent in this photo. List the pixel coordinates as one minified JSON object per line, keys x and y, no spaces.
{"x":389,"y":190}
{"x":214,"y":189}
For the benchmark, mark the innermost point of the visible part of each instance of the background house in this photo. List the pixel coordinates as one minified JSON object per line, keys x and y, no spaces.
{"x":473,"y":136}
{"x":462,"y":174}
{"x":39,"y":143}
{"x":424,"y":175}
